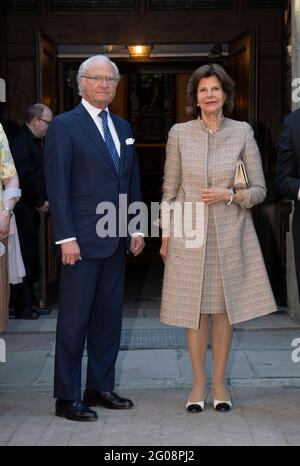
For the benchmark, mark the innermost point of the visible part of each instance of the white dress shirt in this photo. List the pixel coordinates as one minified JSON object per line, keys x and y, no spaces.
{"x":94,"y":113}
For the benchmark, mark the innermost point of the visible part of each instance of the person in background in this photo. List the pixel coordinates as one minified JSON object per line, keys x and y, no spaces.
{"x":26,"y":148}
{"x":8,"y":183}
{"x":225,"y":277}
{"x":287,"y":175}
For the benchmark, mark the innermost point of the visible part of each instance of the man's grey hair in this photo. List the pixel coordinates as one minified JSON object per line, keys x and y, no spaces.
{"x":95,"y":58}
{"x":35,"y":110}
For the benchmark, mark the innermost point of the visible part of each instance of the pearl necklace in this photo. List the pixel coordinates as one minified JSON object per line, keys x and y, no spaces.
{"x":210,"y":130}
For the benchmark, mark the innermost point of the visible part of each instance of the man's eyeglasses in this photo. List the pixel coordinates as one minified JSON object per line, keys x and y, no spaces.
{"x":45,"y":121}
{"x":97,"y":79}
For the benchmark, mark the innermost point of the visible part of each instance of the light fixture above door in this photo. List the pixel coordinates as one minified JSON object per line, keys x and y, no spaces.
{"x":139,"y":51}
{"x":136,"y":51}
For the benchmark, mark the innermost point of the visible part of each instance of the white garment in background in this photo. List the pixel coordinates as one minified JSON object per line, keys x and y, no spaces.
{"x":16,"y":269}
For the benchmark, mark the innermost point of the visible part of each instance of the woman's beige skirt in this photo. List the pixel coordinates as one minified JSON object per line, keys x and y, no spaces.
{"x":213,"y":300}
{"x":4,"y":292}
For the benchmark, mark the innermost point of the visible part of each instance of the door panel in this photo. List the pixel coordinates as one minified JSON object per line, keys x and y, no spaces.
{"x":181,"y":85}
{"x":243,"y":67}
{"x":46,"y":91}
{"x":46,"y":70}
{"x":120,"y":102}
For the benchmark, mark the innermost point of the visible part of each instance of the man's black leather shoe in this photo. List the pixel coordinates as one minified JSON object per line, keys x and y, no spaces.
{"x":41,"y":312}
{"x":107,"y":399}
{"x":26,"y":317}
{"x":74,"y":410}
{"x":25,"y":313}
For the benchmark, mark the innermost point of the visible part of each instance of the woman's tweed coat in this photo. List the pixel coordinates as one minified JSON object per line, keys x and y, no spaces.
{"x":246,"y":285}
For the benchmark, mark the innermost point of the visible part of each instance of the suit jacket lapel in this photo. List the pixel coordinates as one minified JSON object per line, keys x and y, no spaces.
{"x":91,"y":129}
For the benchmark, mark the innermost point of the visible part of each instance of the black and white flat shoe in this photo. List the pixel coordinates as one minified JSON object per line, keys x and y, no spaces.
{"x":195,"y":406}
{"x":221,"y":405}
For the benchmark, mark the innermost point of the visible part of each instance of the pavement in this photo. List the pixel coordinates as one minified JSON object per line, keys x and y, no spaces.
{"x":153,"y":369}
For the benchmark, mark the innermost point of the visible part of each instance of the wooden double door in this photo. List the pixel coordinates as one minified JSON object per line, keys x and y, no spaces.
{"x":139,"y":100}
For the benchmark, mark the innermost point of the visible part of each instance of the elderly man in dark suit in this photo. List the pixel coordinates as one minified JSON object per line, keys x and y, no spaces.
{"x":90,"y":159}
{"x":288,"y":175}
{"x":26,"y":148}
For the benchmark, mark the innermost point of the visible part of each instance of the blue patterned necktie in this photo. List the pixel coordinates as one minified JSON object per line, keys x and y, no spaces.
{"x":109,"y":141}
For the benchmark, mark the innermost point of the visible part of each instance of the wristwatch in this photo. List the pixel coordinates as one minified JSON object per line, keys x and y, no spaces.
{"x":232,"y":192}
{"x":10,"y":211}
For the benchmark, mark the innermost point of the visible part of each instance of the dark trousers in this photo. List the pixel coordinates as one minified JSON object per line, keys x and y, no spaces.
{"x":22,"y":294}
{"x":296,"y":241}
{"x":90,"y":308}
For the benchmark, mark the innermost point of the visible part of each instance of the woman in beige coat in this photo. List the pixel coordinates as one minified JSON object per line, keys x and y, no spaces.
{"x":8,"y":179}
{"x":226,"y":275}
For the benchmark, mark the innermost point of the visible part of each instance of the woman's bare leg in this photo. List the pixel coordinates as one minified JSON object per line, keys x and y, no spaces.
{"x":221,"y":337}
{"x":197,"y":340}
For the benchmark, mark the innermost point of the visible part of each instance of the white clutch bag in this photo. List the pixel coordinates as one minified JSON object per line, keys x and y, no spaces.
{"x":241,"y":179}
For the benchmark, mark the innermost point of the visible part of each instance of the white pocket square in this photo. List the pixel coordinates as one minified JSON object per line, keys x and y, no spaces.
{"x":129,"y":141}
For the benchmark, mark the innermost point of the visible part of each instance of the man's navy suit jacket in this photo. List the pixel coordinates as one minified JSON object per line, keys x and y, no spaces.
{"x":80,"y":174}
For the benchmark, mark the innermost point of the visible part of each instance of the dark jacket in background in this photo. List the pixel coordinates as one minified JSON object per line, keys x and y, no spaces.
{"x":288,"y":175}
{"x":28,"y":158}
